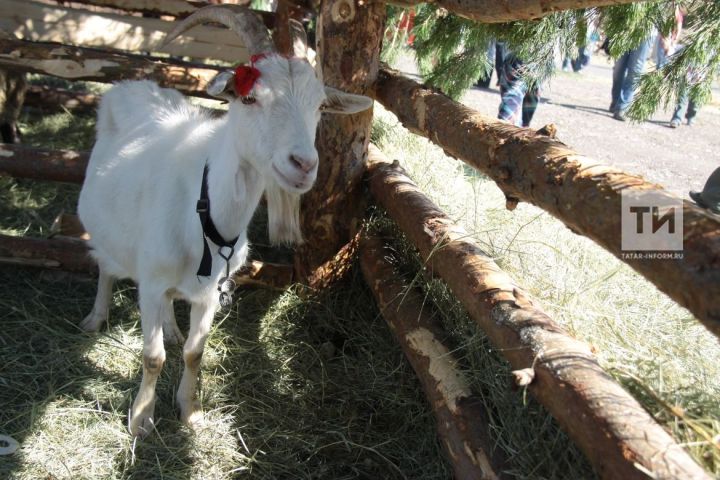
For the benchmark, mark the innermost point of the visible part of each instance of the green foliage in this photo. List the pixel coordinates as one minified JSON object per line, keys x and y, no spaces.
{"x":451,"y":51}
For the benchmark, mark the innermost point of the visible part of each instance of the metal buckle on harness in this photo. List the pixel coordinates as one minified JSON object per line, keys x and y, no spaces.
{"x":202,"y":206}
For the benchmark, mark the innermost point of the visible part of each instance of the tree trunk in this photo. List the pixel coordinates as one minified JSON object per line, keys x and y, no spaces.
{"x":583,"y":194}
{"x":609,"y":425}
{"x":462,"y":422}
{"x":494,"y":11}
{"x":76,"y":63}
{"x":53,"y":165}
{"x":349,"y":39}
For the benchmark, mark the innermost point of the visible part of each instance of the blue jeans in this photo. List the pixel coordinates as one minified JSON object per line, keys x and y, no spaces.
{"x":626,"y":72}
{"x":518,"y":100}
{"x":685,"y":108}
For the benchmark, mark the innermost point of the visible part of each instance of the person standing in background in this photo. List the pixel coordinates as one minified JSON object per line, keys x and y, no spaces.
{"x":626,"y":72}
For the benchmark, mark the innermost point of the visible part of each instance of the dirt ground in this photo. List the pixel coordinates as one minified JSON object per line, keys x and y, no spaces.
{"x":577,"y":103}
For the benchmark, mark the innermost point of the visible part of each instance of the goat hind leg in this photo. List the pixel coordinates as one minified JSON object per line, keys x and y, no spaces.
{"x":201,"y":317}
{"x":154,"y":310}
{"x":171,"y":332}
{"x":99,"y":313}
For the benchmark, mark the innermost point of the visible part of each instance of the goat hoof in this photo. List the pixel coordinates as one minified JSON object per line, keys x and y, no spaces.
{"x":140,"y":419}
{"x":93,"y":322}
{"x":141,"y":425}
{"x":192,"y":414}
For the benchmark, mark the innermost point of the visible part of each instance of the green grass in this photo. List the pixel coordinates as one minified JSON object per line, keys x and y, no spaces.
{"x":314,"y":386}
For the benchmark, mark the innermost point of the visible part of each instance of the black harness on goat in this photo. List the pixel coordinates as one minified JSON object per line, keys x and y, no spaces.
{"x":226,"y":285}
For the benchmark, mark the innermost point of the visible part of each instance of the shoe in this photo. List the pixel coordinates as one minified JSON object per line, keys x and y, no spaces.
{"x":690,"y":122}
{"x":618,"y":115}
{"x":674,"y":123}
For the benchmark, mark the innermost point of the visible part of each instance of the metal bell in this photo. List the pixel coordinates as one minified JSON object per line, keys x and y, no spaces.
{"x":225,"y":299}
{"x":226,"y":285}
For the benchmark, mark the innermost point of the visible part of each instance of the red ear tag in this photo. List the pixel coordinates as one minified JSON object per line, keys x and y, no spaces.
{"x":245,"y":77}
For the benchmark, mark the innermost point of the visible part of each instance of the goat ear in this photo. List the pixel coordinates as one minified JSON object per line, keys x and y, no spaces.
{"x":221,"y":86}
{"x":283,"y":215}
{"x":346,"y":103}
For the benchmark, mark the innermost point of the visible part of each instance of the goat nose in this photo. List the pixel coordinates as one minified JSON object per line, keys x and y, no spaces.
{"x":304,"y":164}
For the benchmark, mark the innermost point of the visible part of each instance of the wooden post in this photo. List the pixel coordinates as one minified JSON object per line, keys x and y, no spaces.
{"x":621,"y":440}
{"x":462,"y":422}
{"x":582,"y":193}
{"x":348,"y":44}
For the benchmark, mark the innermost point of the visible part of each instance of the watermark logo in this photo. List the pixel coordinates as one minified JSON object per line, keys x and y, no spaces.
{"x":651,"y":225}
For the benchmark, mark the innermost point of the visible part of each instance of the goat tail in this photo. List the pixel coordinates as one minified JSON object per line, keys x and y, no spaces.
{"x":283,"y":215}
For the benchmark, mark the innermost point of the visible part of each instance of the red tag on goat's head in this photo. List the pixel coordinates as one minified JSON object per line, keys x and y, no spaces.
{"x":245,"y":77}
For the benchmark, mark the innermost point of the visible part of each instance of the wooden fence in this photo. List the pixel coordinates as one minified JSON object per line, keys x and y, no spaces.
{"x":620,"y":439}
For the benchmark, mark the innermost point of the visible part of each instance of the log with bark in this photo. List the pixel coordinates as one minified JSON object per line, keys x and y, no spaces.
{"x":40,"y":164}
{"x":47,"y":98}
{"x":462,"y":422}
{"x":57,"y":254}
{"x":348,"y":48}
{"x":68,"y":250}
{"x":582,"y":193}
{"x":618,"y":436}
{"x":494,"y":11}
{"x":76,"y":63}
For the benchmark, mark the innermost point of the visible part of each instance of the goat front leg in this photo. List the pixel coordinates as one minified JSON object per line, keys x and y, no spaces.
{"x":155,"y":308}
{"x":201,"y":317}
{"x":99,"y":313}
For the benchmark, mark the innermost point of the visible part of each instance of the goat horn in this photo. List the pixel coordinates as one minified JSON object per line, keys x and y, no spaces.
{"x":239,"y":19}
{"x":299,"y":38}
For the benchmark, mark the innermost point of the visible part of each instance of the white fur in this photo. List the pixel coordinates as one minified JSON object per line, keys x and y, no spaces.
{"x":141,"y":188}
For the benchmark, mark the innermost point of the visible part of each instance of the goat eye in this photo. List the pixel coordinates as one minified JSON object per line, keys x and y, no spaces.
{"x":249,"y":100}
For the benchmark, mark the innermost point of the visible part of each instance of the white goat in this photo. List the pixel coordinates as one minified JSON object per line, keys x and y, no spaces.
{"x":144,"y":180}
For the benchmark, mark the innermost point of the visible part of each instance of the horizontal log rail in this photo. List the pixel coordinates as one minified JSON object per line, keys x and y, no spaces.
{"x":582,"y":193}
{"x":67,"y":251}
{"x":462,"y":422}
{"x":483,"y":11}
{"x":618,"y":436}
{"x":494,"y":11}
{"x":78,"y":63}
{"x":39,"y":164}
{"x":172,"y":8}
{"x":43,"y":97}
{"x":41,"y":22}
{"x":65,"y":254}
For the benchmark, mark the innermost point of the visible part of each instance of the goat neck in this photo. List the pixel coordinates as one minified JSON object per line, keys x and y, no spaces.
{"x":234,"y":184}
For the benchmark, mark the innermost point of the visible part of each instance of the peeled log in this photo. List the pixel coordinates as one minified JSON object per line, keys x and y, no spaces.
{"x":604,"y":421}
{"x":39,"y":164}
{"x":76,"y":63}
{"x":462,"y":422}
{"x":582,"y":193}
